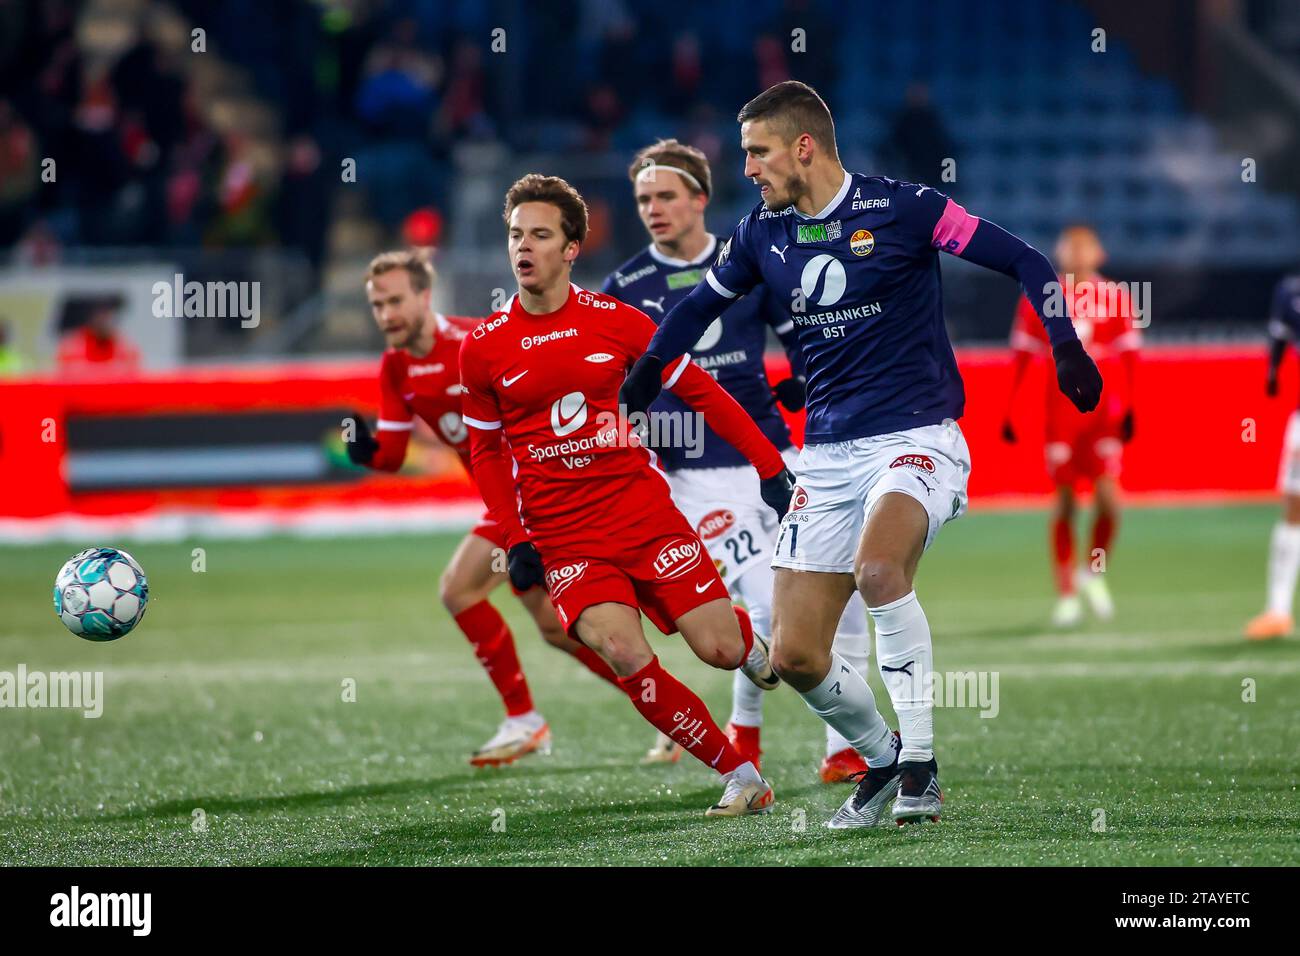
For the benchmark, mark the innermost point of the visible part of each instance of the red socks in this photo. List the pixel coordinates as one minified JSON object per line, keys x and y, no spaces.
{"x":596,"y":664}
{"x":674,"y":709}
{"x":1063,"y":555}
{"x":495,"y":649}
{"x":1103,"y":532}
{"x":746,"y":628}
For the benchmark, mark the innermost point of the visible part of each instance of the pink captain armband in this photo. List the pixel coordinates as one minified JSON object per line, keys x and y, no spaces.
{"x":954,"y":229}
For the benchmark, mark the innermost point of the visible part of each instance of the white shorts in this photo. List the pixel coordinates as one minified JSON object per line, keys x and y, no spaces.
{"x":1288,"y":472}
{"x":838,"y":483}
{"x":725,"y":508}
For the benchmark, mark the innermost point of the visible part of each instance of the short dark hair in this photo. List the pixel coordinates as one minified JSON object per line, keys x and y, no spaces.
{"x":670,"y":152}
{"x":551,"y":189}
{"x":793,"y":108}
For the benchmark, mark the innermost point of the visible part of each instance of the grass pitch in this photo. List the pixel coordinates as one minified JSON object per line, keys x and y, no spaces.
{"x":225,"y":737}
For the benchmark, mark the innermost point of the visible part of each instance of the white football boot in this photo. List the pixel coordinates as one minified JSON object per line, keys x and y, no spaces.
{"x":758,"y":666}
{"x":665,"y":750}
{"x":1068,"y":611}
{"x":746,"y":793}
{"x":1094,"y":589}
{"x":515,"y":738}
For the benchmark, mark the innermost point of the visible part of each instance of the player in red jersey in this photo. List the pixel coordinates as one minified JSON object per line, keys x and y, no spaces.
{"x":1083,"y":448}
{"x":592,"y":517}
{"x":420,"y":375}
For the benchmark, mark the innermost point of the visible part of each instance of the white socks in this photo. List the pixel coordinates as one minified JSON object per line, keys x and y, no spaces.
{"x":745,"y":773}
{"x":905,"y":658}
{"x":746,"y":701}
{"x":1283,"y":566}
{"x":845,"y":702}
{"x":853,"y":643}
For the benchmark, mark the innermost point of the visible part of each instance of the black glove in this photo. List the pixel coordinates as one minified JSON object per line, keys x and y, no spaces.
{"x":1008,"y":433}
{"x":525,"y":566}
{"x":1126,"y":427}
{"x":792,"y":393}
{"x":1077,"y":375}
{"x":642,"y":385}
{"x":777,"y":490}
{"x":363,"y":446}
{"x":1270,"y":387}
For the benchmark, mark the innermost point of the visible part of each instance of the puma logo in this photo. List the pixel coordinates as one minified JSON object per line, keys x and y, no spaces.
{"x":899,"y":670}
{"x":780,"y":252}
{"x":656,"y":303}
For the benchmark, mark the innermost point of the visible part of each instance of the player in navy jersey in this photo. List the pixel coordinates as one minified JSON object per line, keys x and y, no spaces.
{"x":1284,"y":547}
{"x":854,"y":260}
{"x":712,"y":483}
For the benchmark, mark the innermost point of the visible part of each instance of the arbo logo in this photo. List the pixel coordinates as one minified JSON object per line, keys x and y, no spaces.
{"x":715,"y":523}
{"x":568,"y":414}
{"x":823,"y":277}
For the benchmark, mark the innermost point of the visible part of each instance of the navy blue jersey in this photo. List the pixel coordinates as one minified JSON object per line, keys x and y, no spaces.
{"x":731,"y":349}
{"x":1284,"y":313}
{"x":861,"y":282}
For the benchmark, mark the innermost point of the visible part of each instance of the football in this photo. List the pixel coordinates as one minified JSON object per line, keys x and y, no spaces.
{"x":100,"y":594}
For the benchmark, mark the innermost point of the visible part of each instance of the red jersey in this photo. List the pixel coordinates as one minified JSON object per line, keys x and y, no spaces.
{"x":428,"y":386}
{"x":1103,"y":320}
{"x":550,"y":383}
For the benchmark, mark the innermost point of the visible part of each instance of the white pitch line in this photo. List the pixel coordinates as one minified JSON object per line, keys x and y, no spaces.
{"x":416,"y":669}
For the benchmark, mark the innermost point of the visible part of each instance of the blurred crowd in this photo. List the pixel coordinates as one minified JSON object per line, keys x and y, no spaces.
{"x":237,"y":139}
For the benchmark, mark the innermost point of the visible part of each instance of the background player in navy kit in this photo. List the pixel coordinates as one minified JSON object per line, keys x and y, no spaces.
{"x":1284,"y":548}
{"x":884,"y":463}
{"x":714,"y":486}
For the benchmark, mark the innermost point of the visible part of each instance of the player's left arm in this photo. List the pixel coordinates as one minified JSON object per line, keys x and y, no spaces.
{"x":793,"y":391}
{"x":723,"y":413}
{"x":732,"y":274}
{"x":953,"y":230}
{"x":1280,"y":334}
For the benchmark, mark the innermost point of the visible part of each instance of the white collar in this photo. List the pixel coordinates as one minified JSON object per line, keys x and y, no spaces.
{"x":834,"y":203}
{"x":703,"y":257}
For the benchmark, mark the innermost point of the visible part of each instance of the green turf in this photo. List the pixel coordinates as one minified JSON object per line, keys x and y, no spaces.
{"x":228,"y":700}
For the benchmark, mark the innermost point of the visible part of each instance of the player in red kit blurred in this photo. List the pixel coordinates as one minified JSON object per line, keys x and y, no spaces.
{"x":1083,"y":448}
{"x":420,"y":375}
{"x":580,"y":500}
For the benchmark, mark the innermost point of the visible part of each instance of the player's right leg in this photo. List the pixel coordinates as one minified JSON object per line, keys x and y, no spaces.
{"x":464,"y":587}
{"x":1284,"y":546}
{"x":613,"y":630}
{"x":1069,"y":608}
{"x":538,"y":604}
{"x":1105,"y":521}
{"x":806,"y":611}
{"x":1283,"y":567}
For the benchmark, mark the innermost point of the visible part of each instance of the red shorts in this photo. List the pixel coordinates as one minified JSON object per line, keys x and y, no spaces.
{"x":489,"y":530}
{"x":666,"y":574}
{"x":1081,"y":455}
